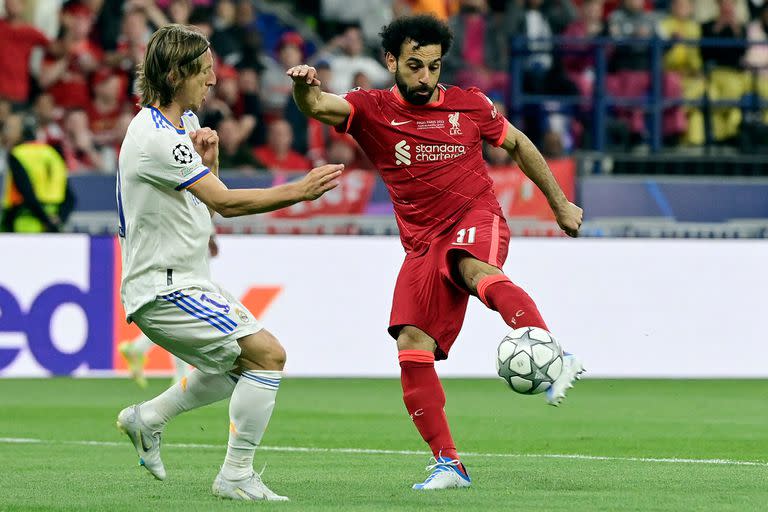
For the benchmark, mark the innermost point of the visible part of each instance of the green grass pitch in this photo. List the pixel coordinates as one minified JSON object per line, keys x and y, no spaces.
{"x":337,"y":445}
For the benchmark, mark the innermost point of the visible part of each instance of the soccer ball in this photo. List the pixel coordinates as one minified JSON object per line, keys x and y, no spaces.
{"x":529,"y":360}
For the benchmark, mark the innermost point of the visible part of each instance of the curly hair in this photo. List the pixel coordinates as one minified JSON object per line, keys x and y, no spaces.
{"x":173,"y":47}
{"x":422,"y":30}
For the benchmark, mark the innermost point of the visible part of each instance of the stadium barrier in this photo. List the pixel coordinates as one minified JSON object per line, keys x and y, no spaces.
{"x":630,"y":308}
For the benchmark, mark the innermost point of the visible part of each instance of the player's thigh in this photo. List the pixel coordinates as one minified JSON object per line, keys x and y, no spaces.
{"x":261,"y":351}
{"x":426,"y":300}
{"x":481,"y":237}
{"x":198,"y":326}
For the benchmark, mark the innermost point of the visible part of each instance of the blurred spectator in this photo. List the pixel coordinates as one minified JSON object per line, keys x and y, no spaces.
{"x":277,"y":153}
{"x":78,"y":147}
{"x":304,"y":141}
{"x":17,"y":39}
{"x":345,"y":54}
{"x":132,"y":41}
{"x":233,"y":154}
{"x":276,"y":86}
{"x":558,"y":13}
{"x":179,"y":11}
{"x":108,"y":24}
{"x":66,"y":78}
{"x":496,"y":156}
{"x":227,"y":102}
{"x":250,"y":34}
{"x":104,"y":113}
{"x":250,"y":94}
{"x":727,"y":80}
{"x":630,"y":76}
{"x":36,"y":197}
{"x":757,"y":54}
{"x":226,"y":35}
{"x":48,"y":127}
{"x":362,"y":81}
{"x":478,"y":54}
{"x":150,"y":9}
{"x":370,"y":15}
{"x":442,"y":9}
{"x":685,"y":60}
{"x":579,"y":60}
{"x":707,"y":10}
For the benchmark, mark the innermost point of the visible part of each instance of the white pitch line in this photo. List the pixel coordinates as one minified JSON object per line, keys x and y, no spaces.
{"x":370,"y":451}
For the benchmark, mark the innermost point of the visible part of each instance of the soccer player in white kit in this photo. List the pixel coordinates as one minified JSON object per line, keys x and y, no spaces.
{"x":167,"y":182}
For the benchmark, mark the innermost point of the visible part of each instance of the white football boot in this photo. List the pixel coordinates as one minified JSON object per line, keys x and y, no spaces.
{"x":571,"y":372}
{"x":446,"y":474}
{"x":144,"y":439}
{"x":248,"y":489}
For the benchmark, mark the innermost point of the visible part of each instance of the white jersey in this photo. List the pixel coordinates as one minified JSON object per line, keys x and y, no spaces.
{"x":164,"y":229}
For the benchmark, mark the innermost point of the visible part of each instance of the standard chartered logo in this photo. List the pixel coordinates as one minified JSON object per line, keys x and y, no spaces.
{"x":427,"y":152}
{"x":402,"y":153}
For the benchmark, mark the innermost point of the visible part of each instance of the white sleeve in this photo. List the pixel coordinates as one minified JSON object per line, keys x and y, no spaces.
{"x":170,"y":161}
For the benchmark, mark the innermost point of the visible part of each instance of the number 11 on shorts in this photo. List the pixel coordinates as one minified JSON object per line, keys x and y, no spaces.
{"x":469,"y":233}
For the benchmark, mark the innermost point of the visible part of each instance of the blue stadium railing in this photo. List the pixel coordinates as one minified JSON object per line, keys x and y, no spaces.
{"x":654,"y":103}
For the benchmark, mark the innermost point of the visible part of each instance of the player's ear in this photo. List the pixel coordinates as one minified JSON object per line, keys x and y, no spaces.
{"x":391,"y":62}
{"x":171,"y":78}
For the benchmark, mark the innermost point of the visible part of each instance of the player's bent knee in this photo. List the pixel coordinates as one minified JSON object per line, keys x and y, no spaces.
{"x":473,"y":271}
{"x":261,"y":351}
{"x":413,"y":338}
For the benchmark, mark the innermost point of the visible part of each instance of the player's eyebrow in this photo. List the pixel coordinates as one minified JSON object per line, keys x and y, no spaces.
{"x":419,"y":61}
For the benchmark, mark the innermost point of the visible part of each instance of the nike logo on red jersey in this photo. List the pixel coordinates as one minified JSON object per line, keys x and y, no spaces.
{"x":395,"y":123}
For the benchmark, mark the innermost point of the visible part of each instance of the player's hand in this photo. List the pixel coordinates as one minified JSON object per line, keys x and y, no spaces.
{"x":569,"y":218}
{"x":213,"y":246}
{"x":304,"y":74}
{"x":206,"y":142}
{"x":320,"y":180}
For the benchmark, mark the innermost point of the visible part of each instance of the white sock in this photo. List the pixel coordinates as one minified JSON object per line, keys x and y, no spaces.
{"x":141,"y":345}
{"x":180,"y":368}
{"x":196,"y":390}
{"x":249,"y":411}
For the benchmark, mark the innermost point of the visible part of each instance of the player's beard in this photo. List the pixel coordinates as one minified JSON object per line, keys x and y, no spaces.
{"x":411,"y":93}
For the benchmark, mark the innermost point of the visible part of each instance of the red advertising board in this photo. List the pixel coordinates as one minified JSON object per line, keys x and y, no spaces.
{"x":519,"y":196}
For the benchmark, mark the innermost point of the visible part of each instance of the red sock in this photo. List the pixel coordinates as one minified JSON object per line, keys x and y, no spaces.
{"x":516,"y":307}
{"x":424,"y":399}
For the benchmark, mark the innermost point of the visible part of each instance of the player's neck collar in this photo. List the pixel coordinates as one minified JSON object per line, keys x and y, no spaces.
{"x":179,"y":129}
{"x":439,"y":101}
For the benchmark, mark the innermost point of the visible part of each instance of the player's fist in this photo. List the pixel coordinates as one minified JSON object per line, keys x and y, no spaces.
{"x":304,"y":74}
{"x":569,"y":218}
{"x":206,"y":142}
{"x":320,"y":180}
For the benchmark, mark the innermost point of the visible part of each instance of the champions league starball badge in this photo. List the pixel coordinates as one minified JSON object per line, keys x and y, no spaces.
{"x":182,"y":154}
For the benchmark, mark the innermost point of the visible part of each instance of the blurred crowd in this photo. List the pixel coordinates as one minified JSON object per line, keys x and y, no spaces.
{"x":67,"y":69}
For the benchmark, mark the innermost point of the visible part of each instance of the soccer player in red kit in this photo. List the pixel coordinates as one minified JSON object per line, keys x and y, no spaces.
{"x":425,"y":139}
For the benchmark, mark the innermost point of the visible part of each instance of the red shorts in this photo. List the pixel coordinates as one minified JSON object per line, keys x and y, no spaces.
{"x":428,"y":293}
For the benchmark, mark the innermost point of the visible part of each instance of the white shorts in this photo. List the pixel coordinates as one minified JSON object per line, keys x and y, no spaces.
{"x":198,"y":326}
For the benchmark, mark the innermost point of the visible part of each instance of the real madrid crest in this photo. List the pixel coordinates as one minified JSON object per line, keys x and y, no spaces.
{"x":242,"y":315}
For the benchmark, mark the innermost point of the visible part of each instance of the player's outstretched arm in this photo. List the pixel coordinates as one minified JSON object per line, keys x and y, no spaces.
{"x":325,"y":107}
{"x":238,"y":202}
{"x":531,"y":161}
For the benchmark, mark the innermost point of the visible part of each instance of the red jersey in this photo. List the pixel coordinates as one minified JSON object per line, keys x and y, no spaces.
{"x":17,"y":42}
{"x":429,"y":156}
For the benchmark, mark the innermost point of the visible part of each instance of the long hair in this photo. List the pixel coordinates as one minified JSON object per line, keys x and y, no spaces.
{"x":174,"y":53}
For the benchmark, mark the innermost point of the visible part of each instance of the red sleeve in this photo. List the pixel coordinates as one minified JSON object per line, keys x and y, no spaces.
{"x":493,"y":126}
{"x":361,"y":102}
{"x":35,"y":37}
